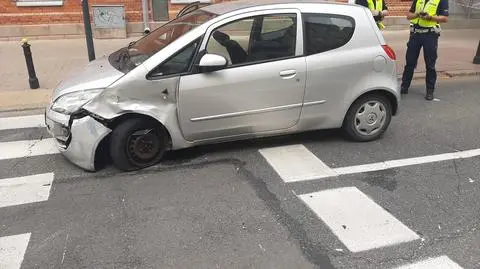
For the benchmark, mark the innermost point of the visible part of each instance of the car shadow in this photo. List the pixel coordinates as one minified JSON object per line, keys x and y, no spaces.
{"x":189,"y":154}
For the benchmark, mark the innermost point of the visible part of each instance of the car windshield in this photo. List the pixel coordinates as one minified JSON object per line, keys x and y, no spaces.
{"x":139,"y":51}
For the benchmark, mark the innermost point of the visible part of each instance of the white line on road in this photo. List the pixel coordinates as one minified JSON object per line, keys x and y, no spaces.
{"x":357,"y":220}
{"x":442,"y":262}
{"x":12,"y":250}
{"x":22,"y":122}
{"x":296,"y":163}
{"x":26,"y":148}
{"x":23,"y":190}
{"x":406,"y":162}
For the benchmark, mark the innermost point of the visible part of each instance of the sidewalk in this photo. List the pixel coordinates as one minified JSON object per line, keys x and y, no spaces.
{"x":54,"y":59}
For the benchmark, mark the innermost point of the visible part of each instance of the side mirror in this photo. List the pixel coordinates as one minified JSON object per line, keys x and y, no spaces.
{"x":212,"y":62}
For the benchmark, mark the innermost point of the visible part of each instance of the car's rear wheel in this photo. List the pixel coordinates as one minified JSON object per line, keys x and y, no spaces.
{"x":368,"y":118}
{"x":137,"y":143}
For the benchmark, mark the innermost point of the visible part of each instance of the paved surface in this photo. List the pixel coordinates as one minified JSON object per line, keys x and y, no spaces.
{"x":54,"y":59}
{"x":227,"y":205}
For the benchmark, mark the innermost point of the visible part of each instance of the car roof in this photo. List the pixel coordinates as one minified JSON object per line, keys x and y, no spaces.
{"x":227,"y":7}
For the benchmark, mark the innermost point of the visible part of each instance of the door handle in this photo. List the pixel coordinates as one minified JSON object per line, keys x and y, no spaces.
{"x":287,"y":74}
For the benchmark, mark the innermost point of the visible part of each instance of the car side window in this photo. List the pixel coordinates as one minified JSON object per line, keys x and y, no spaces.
{"x":254,"y":39}
{"x":179,"y":63}
{"x":324,"y":32}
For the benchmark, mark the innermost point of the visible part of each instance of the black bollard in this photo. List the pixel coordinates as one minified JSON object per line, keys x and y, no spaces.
{"x":32,"y":77}
{"x":476,"y":59}
{"x":88,"y":30}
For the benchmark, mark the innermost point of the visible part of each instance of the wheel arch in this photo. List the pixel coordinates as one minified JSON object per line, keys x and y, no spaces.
{"x":382,"y":92}
{"x":102,"y":156}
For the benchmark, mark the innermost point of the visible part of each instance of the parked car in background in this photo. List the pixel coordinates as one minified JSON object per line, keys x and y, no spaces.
{"x":229,"y":71}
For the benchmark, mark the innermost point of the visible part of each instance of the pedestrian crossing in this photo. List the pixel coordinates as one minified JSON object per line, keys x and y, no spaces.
{"x":27,"y":148}
{"x":353,"y":217}
{"x":23,"y":190}
{"x":21,"y":122}
{"x":437,"y":262}
{"x":12,"y":250}
{"x":358,"y":221}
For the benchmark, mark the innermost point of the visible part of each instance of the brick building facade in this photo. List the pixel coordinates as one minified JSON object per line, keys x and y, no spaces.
{"x":64,"y":17}
{"x":70,"y":11}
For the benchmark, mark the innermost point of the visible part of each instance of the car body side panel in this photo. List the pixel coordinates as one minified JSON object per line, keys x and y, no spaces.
{"x":241,"y":100}
{"x":337,"y":77}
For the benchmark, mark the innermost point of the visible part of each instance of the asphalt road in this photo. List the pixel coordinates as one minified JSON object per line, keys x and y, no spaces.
{"x":225,"y":206}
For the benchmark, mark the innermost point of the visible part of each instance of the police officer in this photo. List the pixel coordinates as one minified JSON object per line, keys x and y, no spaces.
{"x":425,"y":17}
{"x":378,"y":8}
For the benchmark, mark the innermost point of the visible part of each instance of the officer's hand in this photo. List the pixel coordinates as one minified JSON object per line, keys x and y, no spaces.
{"x":375,"y":12}
{"x":427,"y":17}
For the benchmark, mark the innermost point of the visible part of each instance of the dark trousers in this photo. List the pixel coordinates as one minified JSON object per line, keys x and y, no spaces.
{"x":429,"y":42}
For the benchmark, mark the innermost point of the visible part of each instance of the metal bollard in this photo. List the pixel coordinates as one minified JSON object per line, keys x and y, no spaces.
{"x":476,"y":59}
{"x":32,"y":77}
{"x":88,"y":30}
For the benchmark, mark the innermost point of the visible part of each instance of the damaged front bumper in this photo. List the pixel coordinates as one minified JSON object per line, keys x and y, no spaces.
{"x":77,"y":137}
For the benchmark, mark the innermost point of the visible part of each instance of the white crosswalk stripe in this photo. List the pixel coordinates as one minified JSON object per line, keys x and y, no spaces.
{"x":27,"y":148}
{"x":356,"y":220}
{"x":31,"y":121}
{"x":21,"y":122}
{"x":23,"y":190}
{"x":296,"y":163}
{"x":12,"y":250}
{"x":442,"y":262}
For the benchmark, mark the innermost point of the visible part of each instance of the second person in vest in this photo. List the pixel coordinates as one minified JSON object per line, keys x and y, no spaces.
{"x":378,"y":8}
{"x":425,"y":17}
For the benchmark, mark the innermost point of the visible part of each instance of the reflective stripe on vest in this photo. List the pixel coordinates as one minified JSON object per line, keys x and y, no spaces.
{"x":430,"y":8}
{"x":377,"y":6}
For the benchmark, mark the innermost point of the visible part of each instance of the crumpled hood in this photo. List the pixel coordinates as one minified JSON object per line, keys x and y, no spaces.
{"x":97,"y":74}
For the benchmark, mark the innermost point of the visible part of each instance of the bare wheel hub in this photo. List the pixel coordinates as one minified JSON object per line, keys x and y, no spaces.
{"x":143,"y":145}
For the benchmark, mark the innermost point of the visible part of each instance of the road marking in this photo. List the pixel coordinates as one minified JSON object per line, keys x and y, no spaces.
{"x":406,"y":162}
{"x":296,"y":163}
{"x":442,"y":262}
{"x":32,"y":121}
{"x":26,"y":148}
{"x":12,"y":250}
{"x":23,"y":190}
{"x":357,"y":220}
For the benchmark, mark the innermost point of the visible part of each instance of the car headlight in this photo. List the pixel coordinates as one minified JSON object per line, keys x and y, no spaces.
{"x":71,"y":102}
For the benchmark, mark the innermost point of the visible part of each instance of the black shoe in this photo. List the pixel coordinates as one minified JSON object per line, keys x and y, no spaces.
{"x":404,"y":91}
{"x":429,"y":95}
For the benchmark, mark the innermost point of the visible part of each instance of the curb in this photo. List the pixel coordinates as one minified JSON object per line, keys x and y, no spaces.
{"x":11,"y":101}
{"x":24,"y":100}
{"x":446,"y":74}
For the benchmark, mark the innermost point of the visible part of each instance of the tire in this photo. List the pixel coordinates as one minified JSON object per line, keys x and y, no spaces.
{"x":366,"y":122}
{"x":137,"y":143}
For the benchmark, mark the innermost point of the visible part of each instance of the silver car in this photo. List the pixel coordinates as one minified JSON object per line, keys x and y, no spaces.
{"x":229,"y":71}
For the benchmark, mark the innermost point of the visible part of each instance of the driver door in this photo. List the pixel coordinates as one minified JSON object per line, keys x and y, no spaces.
{"x":262,"y":87}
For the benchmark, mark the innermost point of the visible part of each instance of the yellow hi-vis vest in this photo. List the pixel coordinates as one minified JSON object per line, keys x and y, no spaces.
{"x":430,"y":8}
{"x":378,"y":6}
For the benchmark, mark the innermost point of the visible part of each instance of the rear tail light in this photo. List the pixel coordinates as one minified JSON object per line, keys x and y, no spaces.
{"x":389,"y":51}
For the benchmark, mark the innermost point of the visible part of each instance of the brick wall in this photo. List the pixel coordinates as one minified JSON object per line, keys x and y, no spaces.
{"x":71,"y":11}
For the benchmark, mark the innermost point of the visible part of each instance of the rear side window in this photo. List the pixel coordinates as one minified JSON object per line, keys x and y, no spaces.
{"x":324,"y":32}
